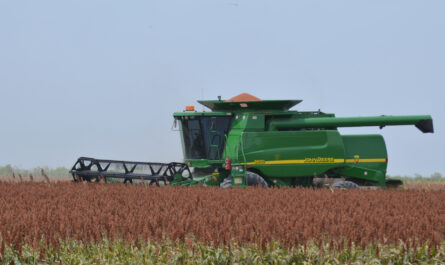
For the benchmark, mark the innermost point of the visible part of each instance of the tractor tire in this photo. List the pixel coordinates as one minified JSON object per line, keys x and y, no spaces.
{"x":253,"y":179}
{"x":345,"y":185}
{"x":227,"y":183}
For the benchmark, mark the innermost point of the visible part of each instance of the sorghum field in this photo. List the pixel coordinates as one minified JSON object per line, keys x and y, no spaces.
{"x":115,"y":223}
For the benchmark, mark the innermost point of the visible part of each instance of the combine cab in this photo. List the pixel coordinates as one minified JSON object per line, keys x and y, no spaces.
{"x":246,"y":141}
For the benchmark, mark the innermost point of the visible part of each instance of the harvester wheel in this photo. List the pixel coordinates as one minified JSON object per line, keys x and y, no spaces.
{"x":345,"y":185}
{"x":253,"y":179}
{"x":227,"y":183}
{"x":393,"y":183}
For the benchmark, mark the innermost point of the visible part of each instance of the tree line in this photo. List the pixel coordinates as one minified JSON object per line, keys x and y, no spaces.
{"x":59,"y":172}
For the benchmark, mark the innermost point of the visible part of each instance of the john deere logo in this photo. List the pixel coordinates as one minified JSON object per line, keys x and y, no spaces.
{"x":311,"y":160}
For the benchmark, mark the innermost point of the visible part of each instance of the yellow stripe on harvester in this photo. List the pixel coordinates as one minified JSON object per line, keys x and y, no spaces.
{"x":366,"y":160}
{"x":318,"y":160}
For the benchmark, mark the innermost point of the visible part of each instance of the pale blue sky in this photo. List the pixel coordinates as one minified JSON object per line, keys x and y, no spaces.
{"x":102,"y":78}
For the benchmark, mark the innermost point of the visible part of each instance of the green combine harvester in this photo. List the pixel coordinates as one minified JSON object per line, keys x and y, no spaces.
{"x":245,"y":141}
